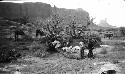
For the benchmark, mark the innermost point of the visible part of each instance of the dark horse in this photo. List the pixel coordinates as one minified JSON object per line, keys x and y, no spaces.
{"x":39,"y":32}
{"x":108,"y":35}
{"x":17,"y":33}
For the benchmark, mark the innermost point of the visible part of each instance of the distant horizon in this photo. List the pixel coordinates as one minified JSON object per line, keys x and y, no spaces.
{"x":112,"y":10}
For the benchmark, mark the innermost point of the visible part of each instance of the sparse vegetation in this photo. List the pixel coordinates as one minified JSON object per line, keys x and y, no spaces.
{"x":8,"y":53}
{"x":41,"y":49}
{"x":122,"y":31}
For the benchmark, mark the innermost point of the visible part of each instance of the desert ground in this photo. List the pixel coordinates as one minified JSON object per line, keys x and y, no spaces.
{"x":57,"y":63}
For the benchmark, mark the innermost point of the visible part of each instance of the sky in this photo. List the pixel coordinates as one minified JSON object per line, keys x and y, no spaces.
{"x":112,"y":10}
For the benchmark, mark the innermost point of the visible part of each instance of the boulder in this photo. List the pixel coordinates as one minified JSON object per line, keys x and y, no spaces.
{"x":104,"y":67}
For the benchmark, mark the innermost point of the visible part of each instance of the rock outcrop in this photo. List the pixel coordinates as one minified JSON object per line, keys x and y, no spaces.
{"x":15,"y":10}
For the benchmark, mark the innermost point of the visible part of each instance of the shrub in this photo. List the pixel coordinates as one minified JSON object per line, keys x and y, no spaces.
{"x":38,"y":50}
{"x":122,"y":31}
{"x":8,"y":54}
{"x":40,"y":53}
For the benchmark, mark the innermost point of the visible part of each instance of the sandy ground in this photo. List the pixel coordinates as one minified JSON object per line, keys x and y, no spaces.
{"x":58,"y":64}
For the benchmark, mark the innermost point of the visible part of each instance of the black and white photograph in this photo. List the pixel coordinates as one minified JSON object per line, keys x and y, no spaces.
{"x":62,"y":36}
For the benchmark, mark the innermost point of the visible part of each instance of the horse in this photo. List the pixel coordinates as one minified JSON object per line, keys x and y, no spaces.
{"x":39,"y":32}
{"x":108,"y":35}
{"x":17,"y":33}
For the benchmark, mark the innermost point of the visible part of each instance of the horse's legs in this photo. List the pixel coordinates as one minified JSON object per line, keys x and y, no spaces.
{"x":90,"y":54}
{"x":16,"y":37}
{"x":36,"y":34}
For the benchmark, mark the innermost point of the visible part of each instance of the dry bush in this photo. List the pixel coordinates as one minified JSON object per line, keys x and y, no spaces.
{"x":8,"y":54}
{"x":41,"y":53}
{"x":71,"y":56}
{"x":38,"y":50}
